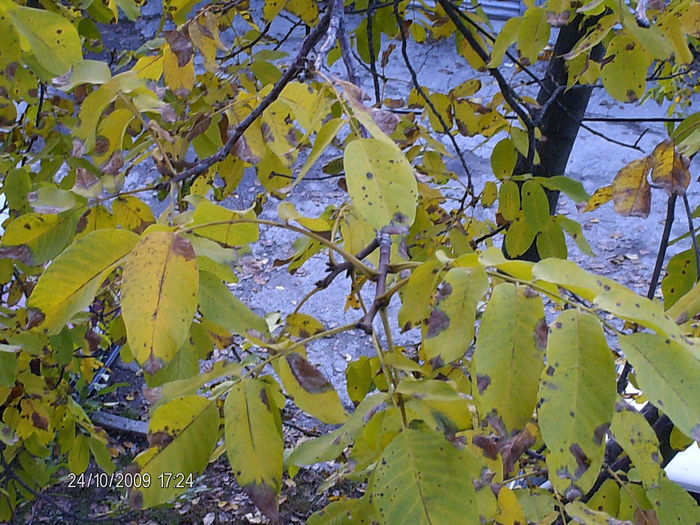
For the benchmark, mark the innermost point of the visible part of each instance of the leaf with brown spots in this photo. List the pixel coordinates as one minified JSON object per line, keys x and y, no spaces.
{"x":160,"y":289}
{"x":311,"y":391}
{"x":254,"y":445}
{"x":631,"y":189}
{"x":669,"y":169}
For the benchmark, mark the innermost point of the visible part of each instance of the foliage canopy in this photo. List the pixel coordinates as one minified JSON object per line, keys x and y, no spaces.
{"x":500,"y":414}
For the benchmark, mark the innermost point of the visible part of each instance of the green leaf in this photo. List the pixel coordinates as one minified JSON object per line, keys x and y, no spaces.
{"x":577,"y":393}
{"x":534,"y":33}
{"x":312,"y":392}
{"x":381,"y":183}
{"x":573,"y":229}
{"x":673,"y":504}
{"x":423,"y":479}
{"x":535,"y":205}
{"x":509,"y":355}
{"x":254,"y":442}
{"x":506,"y":37}
{"x":503,"y":158}
{"x":638,"y":439}
{"x":681,"y":276}
{"x":358,"y":377}
{"x":519,"y":236}
{"x":449,"y":328}
{"x":551,"y":241}
{"x":240,"y":234}
{"x":324,"y":137}
{"x":159,"y":297}
{"x":667,"y":370}
{"x":572,"y":188}
{"x":572,"y":277}
{"x":51,"y":39}
{"x":182,"y":435}
{"x":344,"y":512}
{"x":586,"y":515}
{"x":45,"y":235}
{"x":70,"y":283}
{"x":219,"y":305}
{"x":625,"y":67}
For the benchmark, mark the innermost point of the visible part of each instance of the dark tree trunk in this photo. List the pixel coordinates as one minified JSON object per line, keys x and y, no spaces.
{"x":560,"y":122}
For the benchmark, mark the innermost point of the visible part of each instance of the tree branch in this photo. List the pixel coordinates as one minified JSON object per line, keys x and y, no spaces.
{"x":306,"y":47}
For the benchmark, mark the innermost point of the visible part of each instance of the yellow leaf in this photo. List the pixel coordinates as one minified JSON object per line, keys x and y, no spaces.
{"x":534,"y":33}
{"x":176,"y":77}
{"x":381,"y":182}
{"x":625,"y":68}
{"x":132,"y":213}
{"x":312,"y":392}
{"x":69,"y":284}
{"x":159,"y":297}
{"x":669,"y":169}
{"x":600,"y":196}
{"x":631,"y":190}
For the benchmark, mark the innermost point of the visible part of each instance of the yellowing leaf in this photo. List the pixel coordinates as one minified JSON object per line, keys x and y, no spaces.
{"x":577,"y":393}
{"x":625,"y":68}
{"x":509,"y":355}
{"x":381,"y":183}
{"x":220,"y":306}
{"x":181,"y":435}
{"x":534,"y":33}
{"x":44,"y":235}
{"x":70,"y":283}
{"x":572,"y":277}
{"x":254,"y":443}
{"x":637,"y":438}
{"x":631,"y":190}
{"x":669,"y":169}
{"x":594,"y":36}
{"x":240,"y":234}
{"x":159,"y":297}
{"x":415,"y":296}
{"x":132,"y":213}
{"x":600,"y":196}
{"x":449,"y":329}
{"x":312,"y":392}
{"x":50,"y":38}
{"x":410,"y":483}
{"x":667,"y":370}
{"x":506,"y":37}
{"x":177,"y":78}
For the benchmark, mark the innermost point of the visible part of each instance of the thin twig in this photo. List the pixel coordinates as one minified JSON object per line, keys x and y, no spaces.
{"x":691,"y":228}
{"x":428,"y":101}
{"x":511,"y":97}
{"x":372,"y":51}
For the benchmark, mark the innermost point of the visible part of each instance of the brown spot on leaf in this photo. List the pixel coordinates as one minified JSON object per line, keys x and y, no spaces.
{"x":482,"y":382}
{"x":40,"y":421}
{"x":183,"y":247}
{"x":437,"y":323}
{"x":307,"y":375}
{"x":600,"y":432}
{"x":581,"y":460}
{"x":20,"y":252}
{"x":35,"y":318}
{"x":265,"y":498}
{"x":541,"y":334}
{"x":181,"y":46}
{"x":512,"y":448}
{"x":487,"y":444}
{"x":159,"y":439}
{"x":153,"y":364}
